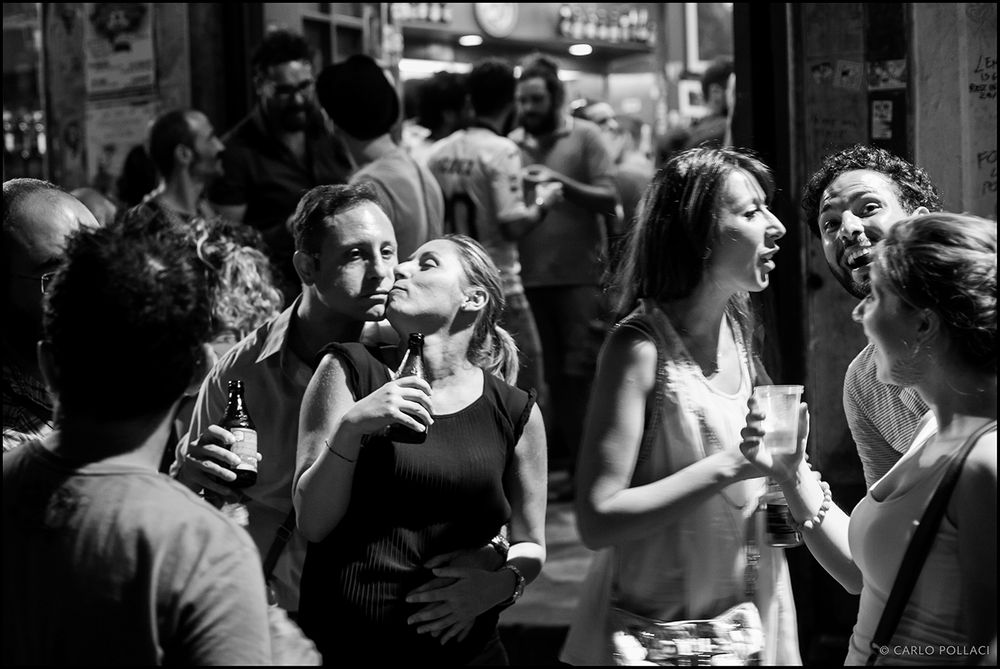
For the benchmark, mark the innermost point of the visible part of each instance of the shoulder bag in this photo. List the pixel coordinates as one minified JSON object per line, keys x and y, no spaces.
{"x":920,"y":546}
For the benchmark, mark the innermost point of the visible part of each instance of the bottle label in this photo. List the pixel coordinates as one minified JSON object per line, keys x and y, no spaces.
{"x":245,"y":447}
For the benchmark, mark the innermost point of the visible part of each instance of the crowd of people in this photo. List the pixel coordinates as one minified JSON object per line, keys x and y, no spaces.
{"x":580,"y":311}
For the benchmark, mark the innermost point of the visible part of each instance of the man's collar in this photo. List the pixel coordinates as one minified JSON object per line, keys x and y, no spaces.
{"x":278,"y":331}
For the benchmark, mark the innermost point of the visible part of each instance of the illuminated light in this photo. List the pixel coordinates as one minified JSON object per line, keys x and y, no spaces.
{"x":564,"y":75}
{"x":470,"y":40}
{"x":580,"y":50}
{"x":418,"y":68}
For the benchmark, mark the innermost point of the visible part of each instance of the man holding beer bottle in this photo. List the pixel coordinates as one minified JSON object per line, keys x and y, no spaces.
{"x":345,"y":253}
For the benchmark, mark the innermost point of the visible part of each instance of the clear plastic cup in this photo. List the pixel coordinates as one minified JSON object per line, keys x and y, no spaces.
{"x":780,"y":405}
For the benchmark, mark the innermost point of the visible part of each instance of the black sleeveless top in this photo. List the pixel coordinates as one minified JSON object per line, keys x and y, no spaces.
{"x":409,"y":503}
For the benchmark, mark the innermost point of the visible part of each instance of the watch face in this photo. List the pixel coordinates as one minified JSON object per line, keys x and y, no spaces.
{"x":497,"y":19}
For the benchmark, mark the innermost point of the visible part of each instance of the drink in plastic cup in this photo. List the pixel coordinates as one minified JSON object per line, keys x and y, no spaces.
{"x":780,"y":405}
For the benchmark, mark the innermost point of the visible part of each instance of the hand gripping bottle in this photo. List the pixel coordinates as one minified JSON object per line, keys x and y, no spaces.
{"x":412,"y":365}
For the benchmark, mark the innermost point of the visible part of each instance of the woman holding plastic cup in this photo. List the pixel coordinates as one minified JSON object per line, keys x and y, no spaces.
{"x":663,"y":491}
{"x":932,"y":316}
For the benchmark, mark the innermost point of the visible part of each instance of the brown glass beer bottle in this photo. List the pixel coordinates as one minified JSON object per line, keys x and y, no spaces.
{"x":412,"y":365}
{"x":237,"y":420}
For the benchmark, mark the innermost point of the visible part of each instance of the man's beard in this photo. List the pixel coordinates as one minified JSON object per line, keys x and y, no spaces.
{"x":294,"y":120}
{"x":857,"y":284}
{"x":540,"y":125}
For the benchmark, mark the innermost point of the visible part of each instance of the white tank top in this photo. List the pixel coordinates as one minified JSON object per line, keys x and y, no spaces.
{"x":879,"y":533}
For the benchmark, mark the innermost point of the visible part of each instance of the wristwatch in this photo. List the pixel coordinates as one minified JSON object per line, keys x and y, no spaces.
{"x":500,"y":544}
{"x":518,"y":584}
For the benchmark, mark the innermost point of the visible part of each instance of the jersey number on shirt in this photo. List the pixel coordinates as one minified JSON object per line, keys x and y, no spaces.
{"x":460,"y":215}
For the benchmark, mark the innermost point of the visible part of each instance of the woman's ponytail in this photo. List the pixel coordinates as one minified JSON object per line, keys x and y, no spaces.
{"x":503,"y":360}
{"x":492,"y":348}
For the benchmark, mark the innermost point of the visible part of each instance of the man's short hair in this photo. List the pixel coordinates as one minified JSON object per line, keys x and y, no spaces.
{"x":491,"y":86}
{"x":444,"y":91}
{"x":915,"y":188}
{"x":170,"y":130}
{"x":125,"y":319}
{"x":539,"y":66}
{"x":716,"y":73}
{"x":309,"y":222}
{"x":279,"y":47}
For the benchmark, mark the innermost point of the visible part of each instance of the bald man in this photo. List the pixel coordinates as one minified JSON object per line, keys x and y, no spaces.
{"x":103,"y":209}
{"x":37,"y":219}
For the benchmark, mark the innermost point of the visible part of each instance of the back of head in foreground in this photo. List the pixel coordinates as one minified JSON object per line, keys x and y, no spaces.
{"x":109,"y":554}
{"x":947,"y":263}
{"x":125,"y":322}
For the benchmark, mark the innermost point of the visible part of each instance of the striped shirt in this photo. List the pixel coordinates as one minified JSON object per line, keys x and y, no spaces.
{"x":883,"y":418}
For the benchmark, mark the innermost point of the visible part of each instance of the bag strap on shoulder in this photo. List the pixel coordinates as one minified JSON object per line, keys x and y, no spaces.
{"x":920,"y":546}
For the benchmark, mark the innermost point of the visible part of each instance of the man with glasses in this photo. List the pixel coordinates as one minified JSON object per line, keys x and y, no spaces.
{"x":37,"y":219}
{"x":279,"y":151}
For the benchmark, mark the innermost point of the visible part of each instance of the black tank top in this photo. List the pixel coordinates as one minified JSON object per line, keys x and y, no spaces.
{"x":409,"y":503}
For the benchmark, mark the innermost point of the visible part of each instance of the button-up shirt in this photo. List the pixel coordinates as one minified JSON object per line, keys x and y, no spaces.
{"x":275,"y":380}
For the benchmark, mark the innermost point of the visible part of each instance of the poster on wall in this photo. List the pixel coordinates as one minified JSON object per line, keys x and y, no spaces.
{"x":118,"y":48}
{"x":113,"y":128}
{"x":708,"y":33}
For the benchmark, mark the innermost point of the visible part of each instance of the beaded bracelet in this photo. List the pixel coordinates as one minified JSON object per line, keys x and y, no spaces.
{"x":814,"y":522}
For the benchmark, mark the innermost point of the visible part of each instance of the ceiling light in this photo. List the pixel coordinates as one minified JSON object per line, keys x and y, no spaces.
{"x":470,"y":40}
{"x":580,"y":50}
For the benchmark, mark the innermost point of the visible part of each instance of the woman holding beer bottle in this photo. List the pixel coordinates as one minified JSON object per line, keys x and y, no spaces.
{"x":663,"y":492}
{"x":378,"y":506}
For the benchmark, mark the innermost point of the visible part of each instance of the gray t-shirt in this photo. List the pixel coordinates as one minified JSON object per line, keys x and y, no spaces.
{"x":112,"y":564}
{"x":569,"y":248}
{"x":410,"y":195}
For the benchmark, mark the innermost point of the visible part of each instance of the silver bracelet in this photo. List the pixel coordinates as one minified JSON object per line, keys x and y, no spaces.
{"x":518,"y":584}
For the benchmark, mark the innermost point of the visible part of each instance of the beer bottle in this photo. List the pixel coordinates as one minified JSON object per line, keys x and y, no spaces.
{"x":412,"y":365}
{"x":237,"y":420}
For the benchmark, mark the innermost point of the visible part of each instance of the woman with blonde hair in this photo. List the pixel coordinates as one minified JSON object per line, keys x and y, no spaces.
{"x":379,"y":512}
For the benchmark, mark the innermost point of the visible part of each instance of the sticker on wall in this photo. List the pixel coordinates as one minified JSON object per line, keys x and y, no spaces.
{"x":848,"y":74}
{"x":822,"y":73}
{"x":881,"y":119}
{"x":887,"y":75}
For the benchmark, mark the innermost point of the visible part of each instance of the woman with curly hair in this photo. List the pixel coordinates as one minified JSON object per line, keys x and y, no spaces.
{"x":241,"y":286}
